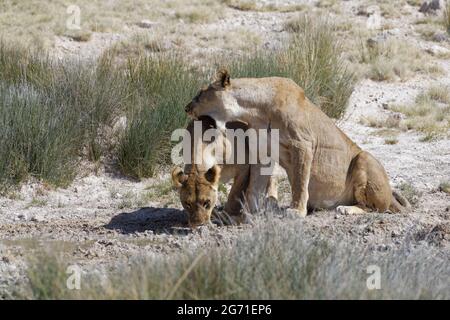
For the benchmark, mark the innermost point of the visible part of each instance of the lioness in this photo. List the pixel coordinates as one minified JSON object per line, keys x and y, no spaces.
{"x":325,"y":168}
{"x":198,"y":182}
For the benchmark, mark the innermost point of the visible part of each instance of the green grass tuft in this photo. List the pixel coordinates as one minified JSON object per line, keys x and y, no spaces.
{"x":446,"y":16}
{"x":162,"y":86}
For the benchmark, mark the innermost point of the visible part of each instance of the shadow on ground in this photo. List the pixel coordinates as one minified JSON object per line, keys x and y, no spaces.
{"x":158,"y":220}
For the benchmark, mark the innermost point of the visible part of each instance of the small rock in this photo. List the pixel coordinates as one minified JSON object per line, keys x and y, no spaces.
{"x":440,"y":37}
{"x":120,"y":124}
{"x":146,"y":24}
{"x":375,"y":42}
{"x":430,"y":6}
{"x":367,"y":11}
{"x":434,"y":5}
{"x":37,"y":218}
{"x":22,"y":216}
{"x":436,"y":50}
{"x":203,"y":231}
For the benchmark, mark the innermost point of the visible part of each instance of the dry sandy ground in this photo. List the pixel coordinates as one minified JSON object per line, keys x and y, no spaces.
{"x":101,"y":219}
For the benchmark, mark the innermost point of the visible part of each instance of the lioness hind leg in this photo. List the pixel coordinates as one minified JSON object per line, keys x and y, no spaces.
{"x":371,"y":189}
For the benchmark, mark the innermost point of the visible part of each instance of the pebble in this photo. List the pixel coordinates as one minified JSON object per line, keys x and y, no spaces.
{"x":37,"y":218}
{"x":22,"y":216}
{"x":146,"y":24}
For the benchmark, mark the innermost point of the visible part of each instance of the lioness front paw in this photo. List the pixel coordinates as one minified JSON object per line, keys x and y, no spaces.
{"x":300,"y":213}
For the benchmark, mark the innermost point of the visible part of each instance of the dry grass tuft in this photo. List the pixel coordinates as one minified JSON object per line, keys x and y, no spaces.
{"x":276,"y":259}
{"x":445,"y":187}
{"x":252,"y":5}
{"x":446,"y":16}
{"x":392,"y":60}
{"x":390,"y":141}
{"x":428,"y":115}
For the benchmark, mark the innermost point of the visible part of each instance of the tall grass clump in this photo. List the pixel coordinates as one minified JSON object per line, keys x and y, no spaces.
{"x":52,"y":114}
{"x":446,"y":17}
{"x":19,"y":65}
{"x":161,"y":88}
{"x":37,"y":138}
{"x":273,"y":260}
{"x":312,"y":59}
{"x":99,"y":93}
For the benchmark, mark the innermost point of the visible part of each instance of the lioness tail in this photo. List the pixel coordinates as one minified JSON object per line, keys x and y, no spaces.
{"x":398,"y":202}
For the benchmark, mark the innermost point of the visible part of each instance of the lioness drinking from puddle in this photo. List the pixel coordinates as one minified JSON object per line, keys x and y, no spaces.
{"x":325,"y":168}
{"x":199,"y":181}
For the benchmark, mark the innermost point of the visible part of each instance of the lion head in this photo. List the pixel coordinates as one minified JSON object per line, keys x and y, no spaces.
{"x":210,"y":98}
{"x":198,"y":192}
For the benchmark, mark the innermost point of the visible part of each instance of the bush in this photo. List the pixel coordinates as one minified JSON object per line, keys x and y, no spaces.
{"x":51,"y":112}
{"x":37,"y":137}
{"x":446,"y":18}
{"x":162,"y":87}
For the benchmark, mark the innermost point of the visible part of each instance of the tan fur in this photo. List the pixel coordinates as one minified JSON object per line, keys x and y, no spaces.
{"x":198,"y":184}
{"x":325,"y":168}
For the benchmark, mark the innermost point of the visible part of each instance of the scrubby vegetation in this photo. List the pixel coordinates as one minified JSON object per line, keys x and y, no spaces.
{"x":52,"y":113}
{"x":429,"y":114}
{"x":162,"y":87}
{"x":257,"y":266}
{"x":55,"y":114}
{"x":446,"y":17}
{"x":390,"y":60}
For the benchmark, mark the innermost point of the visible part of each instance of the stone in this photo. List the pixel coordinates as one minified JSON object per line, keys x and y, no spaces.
{"x":37,"y":218}
{"x":146,"y":24}
{"x":440,"y":37}
{"x":430,"y":6}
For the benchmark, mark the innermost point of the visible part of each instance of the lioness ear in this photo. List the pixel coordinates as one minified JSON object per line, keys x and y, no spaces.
{"x":213,"y":174}
{"x":178,"y":177}
{"x":223,"y":78}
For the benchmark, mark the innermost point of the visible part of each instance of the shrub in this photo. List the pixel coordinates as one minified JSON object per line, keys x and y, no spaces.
{"x":446,"y":17}
{"x":394,"y":59}
{"x":161,"y":86}
{"x":37,"y":137}
{"x":51,"y":112}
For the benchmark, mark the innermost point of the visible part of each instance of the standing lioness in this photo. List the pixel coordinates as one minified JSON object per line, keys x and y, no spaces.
{"x":325,"y":168}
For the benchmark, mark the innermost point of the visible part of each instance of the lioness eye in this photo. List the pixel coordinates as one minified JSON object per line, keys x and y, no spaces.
{"x":207,"y":204}
{"x":188,"y":205}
